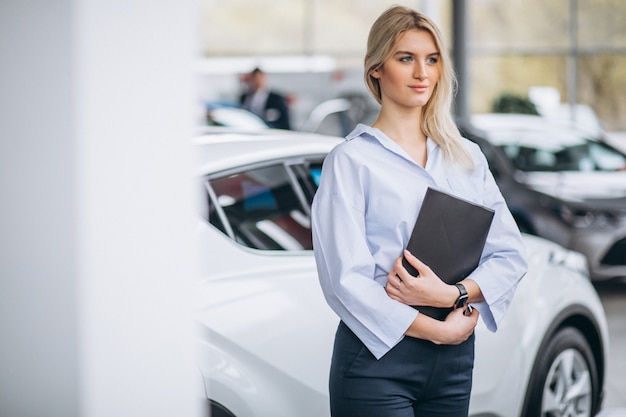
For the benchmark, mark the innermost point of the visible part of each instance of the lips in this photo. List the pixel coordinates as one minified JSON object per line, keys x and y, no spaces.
{"x":419,"y":88}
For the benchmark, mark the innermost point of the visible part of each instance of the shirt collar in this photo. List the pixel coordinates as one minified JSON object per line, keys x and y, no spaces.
{"x":362,"y":129}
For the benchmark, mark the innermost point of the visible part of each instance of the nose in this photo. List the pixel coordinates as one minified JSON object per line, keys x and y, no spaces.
{"x":419,"y":71}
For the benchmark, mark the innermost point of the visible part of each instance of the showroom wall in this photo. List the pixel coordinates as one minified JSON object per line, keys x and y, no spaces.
{"x":577,"y":47}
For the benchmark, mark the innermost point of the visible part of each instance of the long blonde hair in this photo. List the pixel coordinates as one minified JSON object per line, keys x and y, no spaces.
{"x":437,"y":121}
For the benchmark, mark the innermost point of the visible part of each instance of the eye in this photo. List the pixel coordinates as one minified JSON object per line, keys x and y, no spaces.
{"x":432,"y":59}
{"x":406,"y":58}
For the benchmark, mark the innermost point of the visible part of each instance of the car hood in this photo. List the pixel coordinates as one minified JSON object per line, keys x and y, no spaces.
{"x":580,"y":186}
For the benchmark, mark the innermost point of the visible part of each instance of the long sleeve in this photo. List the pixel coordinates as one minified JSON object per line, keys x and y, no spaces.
{"x":503,"y":263}
{"x":346,"y":267}
{"x":363,"y":213}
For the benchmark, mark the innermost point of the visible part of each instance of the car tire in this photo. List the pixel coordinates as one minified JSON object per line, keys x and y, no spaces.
{"x":564,"y":378}
{"x":217,"y":410}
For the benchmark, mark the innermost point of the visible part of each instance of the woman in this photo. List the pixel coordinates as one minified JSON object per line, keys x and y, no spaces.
{"x":388,"y":359}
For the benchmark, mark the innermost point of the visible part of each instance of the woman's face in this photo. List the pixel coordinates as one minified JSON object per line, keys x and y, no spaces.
{"x":408,"y":78}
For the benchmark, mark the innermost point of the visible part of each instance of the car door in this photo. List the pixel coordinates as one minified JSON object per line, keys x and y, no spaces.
{"x":260,"y":300}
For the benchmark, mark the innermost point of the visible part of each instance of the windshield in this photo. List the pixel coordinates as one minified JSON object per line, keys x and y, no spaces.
{"x":536,"y":152}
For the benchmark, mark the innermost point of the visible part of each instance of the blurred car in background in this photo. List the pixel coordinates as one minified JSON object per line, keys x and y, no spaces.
{"x":331,"y":117}
{"x":266,"y":332}
{"x":231,"y":115}
{"x":339,"y":116}
{"x":560,"y":183}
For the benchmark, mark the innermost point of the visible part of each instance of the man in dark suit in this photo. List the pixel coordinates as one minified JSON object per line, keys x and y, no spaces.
{"x":268,"y":105}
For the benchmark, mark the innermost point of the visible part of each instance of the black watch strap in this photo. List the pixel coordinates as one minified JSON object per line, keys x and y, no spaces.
{"x":462,"y":300}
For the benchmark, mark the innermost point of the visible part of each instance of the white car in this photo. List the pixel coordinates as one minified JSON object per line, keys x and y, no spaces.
{"x":266,"y":332}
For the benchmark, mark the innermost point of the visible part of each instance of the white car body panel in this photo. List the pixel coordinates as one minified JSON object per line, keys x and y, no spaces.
{"x":576,"y":186}
{"x":273,"y":310}
{"x":266,"y":332}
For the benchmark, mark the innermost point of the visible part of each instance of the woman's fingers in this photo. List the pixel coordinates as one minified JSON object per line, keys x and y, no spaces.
{"x":401,"y":271}
{"x":398,"y":274}
{"x":461,"y":325}
{"x":416,"y":263}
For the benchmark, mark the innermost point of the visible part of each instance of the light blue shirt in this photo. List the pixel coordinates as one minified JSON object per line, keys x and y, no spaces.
{"x":363,"y":213}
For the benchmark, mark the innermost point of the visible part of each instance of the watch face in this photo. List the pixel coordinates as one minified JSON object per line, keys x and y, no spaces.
{"x":462,"y":300}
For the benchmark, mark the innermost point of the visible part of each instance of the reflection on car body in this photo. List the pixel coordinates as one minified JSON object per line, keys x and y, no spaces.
{"x":266,"y":332}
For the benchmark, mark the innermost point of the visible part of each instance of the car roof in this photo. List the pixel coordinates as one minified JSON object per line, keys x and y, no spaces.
{"x":220,"y":149}
{"x":525,"y":129}
{"x":493,"y":121}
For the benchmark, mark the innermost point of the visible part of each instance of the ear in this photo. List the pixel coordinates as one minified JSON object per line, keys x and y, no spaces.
{"x":375,"y":73}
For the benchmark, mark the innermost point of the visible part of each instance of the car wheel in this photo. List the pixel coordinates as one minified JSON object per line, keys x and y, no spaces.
{"x":217,"y":410}
{"x":565,"y":378}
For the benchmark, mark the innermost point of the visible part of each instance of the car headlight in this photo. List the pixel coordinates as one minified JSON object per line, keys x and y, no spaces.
{"x":583,"y":218}
{"x":572,"y":260}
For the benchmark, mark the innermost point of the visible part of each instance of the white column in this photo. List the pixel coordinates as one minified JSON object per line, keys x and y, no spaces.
{"x":97,"y":108}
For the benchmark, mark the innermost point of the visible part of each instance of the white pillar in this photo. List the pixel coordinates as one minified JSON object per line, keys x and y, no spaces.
{"x":96,"y":111}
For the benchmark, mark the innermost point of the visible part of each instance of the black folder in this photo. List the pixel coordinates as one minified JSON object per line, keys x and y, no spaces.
{"x":449,"y":236}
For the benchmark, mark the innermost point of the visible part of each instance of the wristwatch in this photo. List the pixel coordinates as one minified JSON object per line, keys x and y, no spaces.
{"x":462,"y":300}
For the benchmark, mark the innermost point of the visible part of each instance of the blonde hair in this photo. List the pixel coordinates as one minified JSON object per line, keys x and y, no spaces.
{"x":437,"y":121}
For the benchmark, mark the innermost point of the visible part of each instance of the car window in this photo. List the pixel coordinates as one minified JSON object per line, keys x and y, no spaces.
{"x":553,"y":150}
{"x":264,"y":208}
{"x":309,"y":174}
{"x":607,"y":158}
{"x":588,"y":156}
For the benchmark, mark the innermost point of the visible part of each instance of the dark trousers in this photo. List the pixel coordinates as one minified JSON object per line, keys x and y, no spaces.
{"x":415,"y":378}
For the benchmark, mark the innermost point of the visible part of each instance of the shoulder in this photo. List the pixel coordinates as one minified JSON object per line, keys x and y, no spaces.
{"x":354,"y":147}
{"x":349,"y":159}
{"x":344,"y":152}
{"x":480,"y":161}
{"x":471,"y":146}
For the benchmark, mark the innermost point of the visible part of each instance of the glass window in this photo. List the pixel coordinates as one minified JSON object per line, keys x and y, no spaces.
{"x":606,"y":158}
{"x":586,"y":156}
{"x":309,"y":174}
{"x":210,"y":213}
{"x":263,"y":209}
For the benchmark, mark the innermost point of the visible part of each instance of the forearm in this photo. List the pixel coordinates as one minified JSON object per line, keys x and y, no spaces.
{"x":473,"y":291}
{"x":455,"y":329}
{"x":427,"y":328}
{"x":450,"y":294}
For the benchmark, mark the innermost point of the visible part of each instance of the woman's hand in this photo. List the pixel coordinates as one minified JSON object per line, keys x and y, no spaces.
{"x":427,"y":289}
{"x":456,"y":328}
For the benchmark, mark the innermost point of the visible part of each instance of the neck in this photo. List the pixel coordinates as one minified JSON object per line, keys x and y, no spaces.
{"x":403,"y":127}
